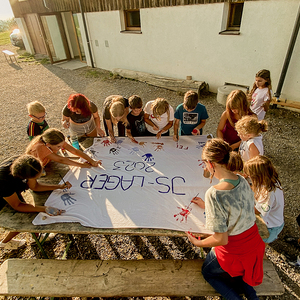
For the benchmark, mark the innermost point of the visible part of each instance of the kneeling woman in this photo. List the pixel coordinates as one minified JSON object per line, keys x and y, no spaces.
{"x":18,"y":174}
{"x":81,"y":116}
{"x":46,"y":146}
{"x":229,"y":208}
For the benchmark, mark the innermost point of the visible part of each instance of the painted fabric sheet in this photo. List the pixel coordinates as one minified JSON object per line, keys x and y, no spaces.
{"x":144,"y":185}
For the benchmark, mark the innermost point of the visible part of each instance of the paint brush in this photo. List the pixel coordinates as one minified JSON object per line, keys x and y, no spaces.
{"x":62,"y":179}
{"x":191,"y":201}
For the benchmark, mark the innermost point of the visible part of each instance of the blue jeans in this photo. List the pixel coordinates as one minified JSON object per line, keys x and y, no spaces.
{"x":223,"y":283}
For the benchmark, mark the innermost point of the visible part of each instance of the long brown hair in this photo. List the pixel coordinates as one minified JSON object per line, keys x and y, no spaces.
{"x":237,"y":99}
{"x":50,"y":136}
{"x":266,"y":75}
{"x":263,"y":175}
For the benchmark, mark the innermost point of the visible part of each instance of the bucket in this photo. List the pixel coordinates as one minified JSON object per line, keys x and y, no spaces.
{"x":225,"y":90}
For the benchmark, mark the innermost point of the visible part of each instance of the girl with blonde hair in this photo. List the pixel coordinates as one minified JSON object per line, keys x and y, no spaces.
{"x":237,"y":106}
{"x":159,"y":117}
{"x":115,"y":111}
{"x":249,"y":130}
{"x":46,"y":146}
{"x":268,"y":194}
{"x":238,"y":249}
{"x":261,"y":93}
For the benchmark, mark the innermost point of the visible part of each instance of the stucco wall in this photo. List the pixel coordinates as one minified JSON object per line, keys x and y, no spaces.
{"x":185,"y":40}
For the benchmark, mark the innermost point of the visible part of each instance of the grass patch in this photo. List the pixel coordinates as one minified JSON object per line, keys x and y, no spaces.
{"x":4,"y":38}
{"x":44,"y":61}
{"x":92,"y":74}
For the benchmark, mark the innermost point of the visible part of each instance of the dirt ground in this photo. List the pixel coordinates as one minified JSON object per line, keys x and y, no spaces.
{"x":52,"y":85}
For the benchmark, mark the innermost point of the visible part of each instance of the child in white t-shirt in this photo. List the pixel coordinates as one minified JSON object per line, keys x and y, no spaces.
{"x":268,"y":194}
{"x":159,"y":117}
{"x":260,"y":95}
{"x":249,"y":130}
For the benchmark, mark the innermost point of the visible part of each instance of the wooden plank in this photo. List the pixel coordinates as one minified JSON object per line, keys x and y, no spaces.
{"x":289,"y":103}
{"x":160,"y":81}
{"x":114,"y":278}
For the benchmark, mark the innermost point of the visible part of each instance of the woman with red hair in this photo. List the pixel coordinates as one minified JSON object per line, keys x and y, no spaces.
{"x":81,"y":116}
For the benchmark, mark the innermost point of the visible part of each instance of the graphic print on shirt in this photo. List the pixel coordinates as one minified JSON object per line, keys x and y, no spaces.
{"x":140,"y":125}
{"x":190,"y":118}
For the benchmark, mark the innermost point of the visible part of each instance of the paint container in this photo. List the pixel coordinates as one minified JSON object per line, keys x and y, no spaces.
{"x":195,"y":130}
{"x":74,"y":141}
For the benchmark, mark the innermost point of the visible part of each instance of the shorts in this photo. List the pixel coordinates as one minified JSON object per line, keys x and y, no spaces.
{"x":83,"y":129}
{"x":274,"y":232}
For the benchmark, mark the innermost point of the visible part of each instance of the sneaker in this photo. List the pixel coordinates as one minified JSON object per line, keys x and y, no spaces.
{"x":295,"y":263}
{"x":12,"y":244}
{"x":50,"y":237}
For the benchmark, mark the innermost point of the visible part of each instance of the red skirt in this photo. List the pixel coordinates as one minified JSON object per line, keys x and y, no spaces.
{"x":243,"y":256}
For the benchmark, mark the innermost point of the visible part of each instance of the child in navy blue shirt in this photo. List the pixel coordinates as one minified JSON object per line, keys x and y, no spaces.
{"x":191,"y":115}
{"x":136,"y":124}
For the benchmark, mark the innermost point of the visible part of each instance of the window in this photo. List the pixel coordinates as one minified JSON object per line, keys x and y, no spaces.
{"x":132,"y":20}
{"x":235,"y":16}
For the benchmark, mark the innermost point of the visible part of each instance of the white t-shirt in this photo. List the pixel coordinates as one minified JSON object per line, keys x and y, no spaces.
{"x":245,"y":147}
{"x":164,"y":120}
{"x":259,"y":97}
{"x":271,"y":208}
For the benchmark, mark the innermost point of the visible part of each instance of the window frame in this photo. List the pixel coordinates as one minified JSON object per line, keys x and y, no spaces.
{"x":231,"y":15}
{"x":128,"y":27}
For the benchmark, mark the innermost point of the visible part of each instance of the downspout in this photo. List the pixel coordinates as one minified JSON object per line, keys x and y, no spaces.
{"x":288,"y":55}
{"x":86,"y":33}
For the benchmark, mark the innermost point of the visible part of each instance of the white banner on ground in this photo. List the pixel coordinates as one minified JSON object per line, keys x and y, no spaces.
{"x":144,"y":185}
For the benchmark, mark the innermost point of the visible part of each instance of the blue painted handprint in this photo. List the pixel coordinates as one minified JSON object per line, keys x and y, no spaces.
{"x":67,"y":199}
{"x":148,"y":157}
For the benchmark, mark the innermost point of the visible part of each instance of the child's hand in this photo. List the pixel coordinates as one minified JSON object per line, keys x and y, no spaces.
{"x":65,"y":124}
{"x":192,"y":238}
{"x":66,"y":185}
{"x":96,"y":163}
{"x":52,"y":211}
{"x":199,"y":202}
{"x":86,"y":165}
{"x":155,"y":127}
{"x":266,"y":106}
{"x":100,"y":132}
{"x":113,"y":139}
{"x":158,"y":135}
{"x":175,"y":137}
{"x":196,"y":131}
{"x":133,"y":139}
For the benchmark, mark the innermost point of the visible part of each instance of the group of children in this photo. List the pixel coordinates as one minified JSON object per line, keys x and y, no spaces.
{"x":240,"y":126}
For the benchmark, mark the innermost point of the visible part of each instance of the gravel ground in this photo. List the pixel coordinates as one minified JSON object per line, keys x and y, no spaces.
{"x":52,"y":85}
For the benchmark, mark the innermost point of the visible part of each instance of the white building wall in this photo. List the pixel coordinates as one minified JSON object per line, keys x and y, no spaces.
{"x":185,"y":40}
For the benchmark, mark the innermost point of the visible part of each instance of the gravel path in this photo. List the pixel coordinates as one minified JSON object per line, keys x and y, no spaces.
{"x":52,"y":85}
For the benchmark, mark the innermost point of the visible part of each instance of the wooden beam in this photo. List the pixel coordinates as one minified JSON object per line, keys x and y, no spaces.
{"x":178,"y":85}
{"x":286,"y":103}
{"x":114,"y":278}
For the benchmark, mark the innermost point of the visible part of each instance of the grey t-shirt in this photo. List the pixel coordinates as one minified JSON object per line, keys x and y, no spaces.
{"x":230,"y":211}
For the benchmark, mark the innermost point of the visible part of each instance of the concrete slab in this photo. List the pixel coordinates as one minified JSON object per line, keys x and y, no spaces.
{"x":72,"y":64}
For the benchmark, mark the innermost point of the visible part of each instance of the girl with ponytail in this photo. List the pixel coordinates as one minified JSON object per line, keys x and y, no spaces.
{"x":249,"y":130}
{"x":229,"y":208}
